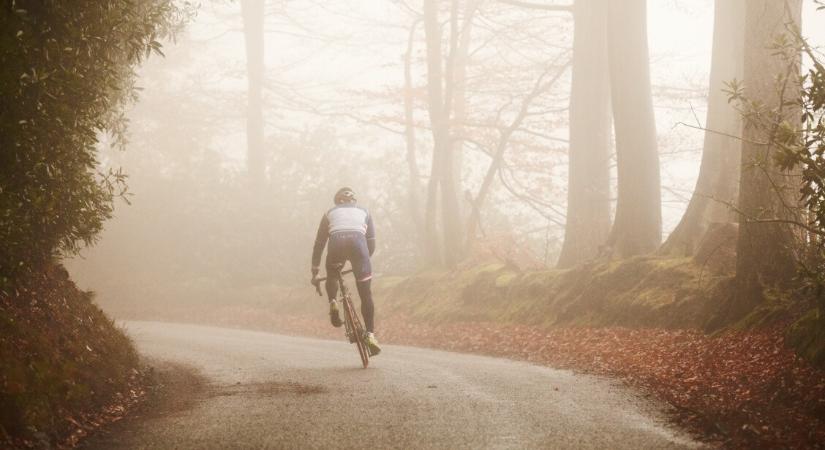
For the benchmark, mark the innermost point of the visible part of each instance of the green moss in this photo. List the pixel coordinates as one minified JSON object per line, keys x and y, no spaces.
{"x":807,"y":337}
{"x":504,"y":280}
{"x":641,"y":291}
{"x":774,"y":306}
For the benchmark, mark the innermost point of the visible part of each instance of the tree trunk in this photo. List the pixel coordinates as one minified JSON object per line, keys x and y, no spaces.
{"x":451,"y":220}
{"x":638,"y":225}
{"x":450,"y":173}
{"x":588,"y":194}
{"x":409,"y":132}
{"x":765,"y":250}
{"x":718,"y":182}
{"x":460,"y":60}
{"x":439,"y":124}
{"x":253,"y":28}
{"x":442,"y":175}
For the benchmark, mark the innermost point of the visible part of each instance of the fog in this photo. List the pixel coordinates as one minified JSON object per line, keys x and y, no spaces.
{"x":198,"y":223}
{"x":412,"y":224}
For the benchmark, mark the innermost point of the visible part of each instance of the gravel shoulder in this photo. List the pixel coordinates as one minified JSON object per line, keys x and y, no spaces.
{"x":252,"y":389}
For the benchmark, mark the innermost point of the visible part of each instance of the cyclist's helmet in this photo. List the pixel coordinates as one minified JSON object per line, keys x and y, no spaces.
{"x":344,"y":195}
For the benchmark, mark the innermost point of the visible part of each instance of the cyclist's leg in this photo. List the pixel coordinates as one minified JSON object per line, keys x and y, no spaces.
{"x":367,"y":305}
{"x":361,"y":265}
{"x":336,"y":254}
{"x":332,"y":285}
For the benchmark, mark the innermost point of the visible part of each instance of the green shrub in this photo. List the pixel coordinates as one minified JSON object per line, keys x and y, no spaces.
{"x":67,"y":73}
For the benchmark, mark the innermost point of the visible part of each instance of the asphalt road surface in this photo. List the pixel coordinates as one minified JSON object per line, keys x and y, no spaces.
{"x":270,"y":391}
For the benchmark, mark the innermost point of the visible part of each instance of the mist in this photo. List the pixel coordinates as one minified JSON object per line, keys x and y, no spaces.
{"x":211,"y":211}
{"x":535,"y":198}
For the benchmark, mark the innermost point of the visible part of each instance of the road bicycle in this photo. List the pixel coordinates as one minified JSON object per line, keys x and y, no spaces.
{"x":352,"y":322}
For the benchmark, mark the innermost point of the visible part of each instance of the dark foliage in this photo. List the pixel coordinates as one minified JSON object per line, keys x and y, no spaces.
{"x":67,"y":74}
{"x":68,"y":70}
{"x":808,"y":153}
{"x":805,"y":150}
{"x":802,"y":149}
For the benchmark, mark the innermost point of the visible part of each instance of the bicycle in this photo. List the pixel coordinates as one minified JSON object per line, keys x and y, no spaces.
{"x":352,"y":322}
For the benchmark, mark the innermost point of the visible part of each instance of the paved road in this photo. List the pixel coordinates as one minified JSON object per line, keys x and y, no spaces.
{"x":272,"y":391}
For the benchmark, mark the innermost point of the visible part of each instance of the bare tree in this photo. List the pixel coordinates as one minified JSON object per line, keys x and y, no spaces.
{"x":253,"y":29}
{"x":440,"y":126}
{"x":443,"y":173}
{"x":409,"y":136}
{"x":637,"y":228}
{"x":460,"y":40}
{"x":505,"y":133}
{"x":588,"y":194}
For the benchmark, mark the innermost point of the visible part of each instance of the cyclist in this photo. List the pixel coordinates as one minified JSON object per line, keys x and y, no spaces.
{"x":351,"y":235}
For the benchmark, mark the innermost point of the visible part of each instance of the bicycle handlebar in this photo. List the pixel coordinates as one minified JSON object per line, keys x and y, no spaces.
{"x":317,"y":282}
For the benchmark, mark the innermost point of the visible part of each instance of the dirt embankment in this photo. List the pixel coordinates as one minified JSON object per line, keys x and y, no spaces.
{"x":65,"y":368}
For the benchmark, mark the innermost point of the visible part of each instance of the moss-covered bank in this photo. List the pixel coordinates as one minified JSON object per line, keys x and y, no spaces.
{"x":644,"y":291}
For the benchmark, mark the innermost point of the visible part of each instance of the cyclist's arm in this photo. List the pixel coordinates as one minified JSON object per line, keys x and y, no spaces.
{"x":320,"y":242}
{"x":370,"y":235}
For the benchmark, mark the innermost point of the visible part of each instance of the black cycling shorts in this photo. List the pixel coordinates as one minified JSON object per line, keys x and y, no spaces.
{"x":349,"y":246}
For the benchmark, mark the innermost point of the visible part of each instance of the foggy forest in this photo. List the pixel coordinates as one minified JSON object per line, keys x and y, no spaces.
{"x":570,"y":224}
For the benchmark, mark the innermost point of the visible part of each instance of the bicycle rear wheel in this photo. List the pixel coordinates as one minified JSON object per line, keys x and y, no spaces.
{"x":355,"y":325}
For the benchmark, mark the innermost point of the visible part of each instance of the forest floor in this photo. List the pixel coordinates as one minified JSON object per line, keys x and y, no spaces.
{"x":737,"y":389}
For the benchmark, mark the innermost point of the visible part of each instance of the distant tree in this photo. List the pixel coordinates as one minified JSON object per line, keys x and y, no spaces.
{"x":414,"y":195}
{"x":67,"y":73}
{"x":637,"y":228}
{"x":541,"y":85}
{"x":442,"y":172}
{"x":588,"y":194}
{"x":461,"y":25}
{"x":513,"y":94}
{"x":253,"y":30}
{"x":718,"y":182}
{"x":455,"y":104}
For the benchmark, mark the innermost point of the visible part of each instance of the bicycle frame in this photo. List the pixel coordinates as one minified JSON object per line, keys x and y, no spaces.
{"x":353,"y":328}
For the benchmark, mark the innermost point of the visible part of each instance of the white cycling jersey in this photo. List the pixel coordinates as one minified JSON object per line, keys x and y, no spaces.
{"x":348,"y":217}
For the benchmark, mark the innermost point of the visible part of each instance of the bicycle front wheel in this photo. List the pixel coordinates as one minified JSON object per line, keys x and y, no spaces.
{"x":355,"y":325}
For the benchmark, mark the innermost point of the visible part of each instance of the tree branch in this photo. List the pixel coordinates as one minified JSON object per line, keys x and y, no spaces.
{"x":539,"y":6}
{"x":750,"y":219}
